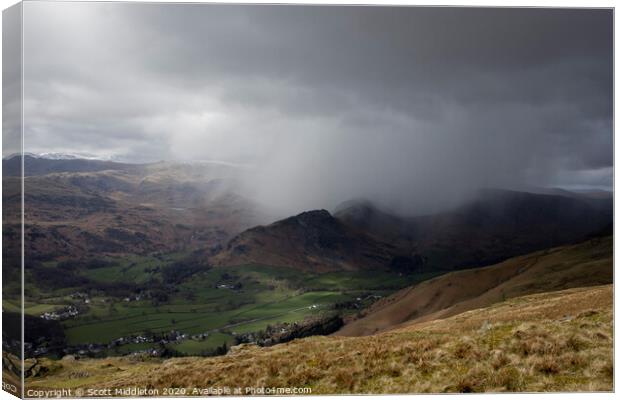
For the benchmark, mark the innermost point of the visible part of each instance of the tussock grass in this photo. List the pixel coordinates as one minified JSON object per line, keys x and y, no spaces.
{"x":556,"y":341}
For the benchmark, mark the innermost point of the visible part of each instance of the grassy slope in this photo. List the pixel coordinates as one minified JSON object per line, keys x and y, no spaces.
{"x":10,"y":377}
{"x":556,"y":341}
{"x":586,"y":264}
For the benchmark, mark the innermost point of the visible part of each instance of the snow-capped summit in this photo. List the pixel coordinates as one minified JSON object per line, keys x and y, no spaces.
{"x":70,"y":156}
{"x":64,"y":156}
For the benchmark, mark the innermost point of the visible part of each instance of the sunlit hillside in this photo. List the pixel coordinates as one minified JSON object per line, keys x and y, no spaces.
{"x":557,"y":341}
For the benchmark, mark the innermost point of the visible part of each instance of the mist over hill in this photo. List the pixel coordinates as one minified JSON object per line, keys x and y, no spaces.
{"x":330,"y":104}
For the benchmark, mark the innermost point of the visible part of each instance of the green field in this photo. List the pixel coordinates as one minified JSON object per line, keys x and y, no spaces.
{"x":197,"y":346}
{"x":198,"y":318}
{"x":254,"y":297}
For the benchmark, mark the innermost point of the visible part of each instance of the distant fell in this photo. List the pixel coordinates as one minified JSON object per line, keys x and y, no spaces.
{"x":313,"y":240}
{"x":492,"y":227}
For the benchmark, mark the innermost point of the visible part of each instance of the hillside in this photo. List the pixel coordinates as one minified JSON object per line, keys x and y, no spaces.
{"x":76,"y":208}
{"x":555,"y":341}
{"x":586,"y":264}
{"x":493,"y":226}
{"x":42,"y":166}
{"x":497,"y":225}
{"x":312,"y":240}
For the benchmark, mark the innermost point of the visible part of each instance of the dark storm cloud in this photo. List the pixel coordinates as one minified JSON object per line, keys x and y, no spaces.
{"x":409,"y":106}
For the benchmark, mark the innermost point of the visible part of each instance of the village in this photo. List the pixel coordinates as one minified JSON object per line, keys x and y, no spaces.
{"x":159,"y":340}
{"x":158,"y":349}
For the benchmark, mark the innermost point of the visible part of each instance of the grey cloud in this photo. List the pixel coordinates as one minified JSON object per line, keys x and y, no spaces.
{"x":11,"y":81}
{"x":410,"y":106}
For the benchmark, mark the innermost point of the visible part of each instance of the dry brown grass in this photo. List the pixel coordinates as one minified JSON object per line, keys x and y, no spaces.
{"x":559,"y":341}
{"x":585,"y":264}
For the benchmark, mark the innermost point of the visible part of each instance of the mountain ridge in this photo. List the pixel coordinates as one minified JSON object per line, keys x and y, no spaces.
{"x":586,"y":264}
{"x":313,"y":240}
{"x":498,"y":225}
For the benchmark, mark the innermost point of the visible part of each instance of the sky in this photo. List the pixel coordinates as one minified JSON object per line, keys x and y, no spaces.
{"x":412,"y":107}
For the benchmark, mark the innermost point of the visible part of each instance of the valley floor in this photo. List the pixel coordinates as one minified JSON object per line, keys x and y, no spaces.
{"x":554,"y":341}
